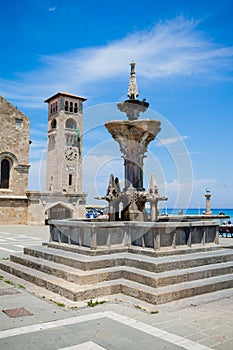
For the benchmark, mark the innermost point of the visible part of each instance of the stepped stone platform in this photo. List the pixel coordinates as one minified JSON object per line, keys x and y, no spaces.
{"x":157,"y":278}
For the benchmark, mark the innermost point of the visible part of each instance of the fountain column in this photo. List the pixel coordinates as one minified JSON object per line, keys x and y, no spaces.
{"x":133,"y":136}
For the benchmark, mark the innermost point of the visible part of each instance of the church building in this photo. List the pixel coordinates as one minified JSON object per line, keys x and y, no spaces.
{"x":63,"y":197}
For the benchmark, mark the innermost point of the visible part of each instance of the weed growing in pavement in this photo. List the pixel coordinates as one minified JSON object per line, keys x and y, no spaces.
{"x":92,"y":303}
{"x":60,"y":304}
{"x":56,"y":302}
{"x":21,"y":286}
{"x":9,"y":282}
{"x":139,"y":307}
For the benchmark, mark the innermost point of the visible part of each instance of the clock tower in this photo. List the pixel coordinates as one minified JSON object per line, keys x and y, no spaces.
{"x":64,"y":155}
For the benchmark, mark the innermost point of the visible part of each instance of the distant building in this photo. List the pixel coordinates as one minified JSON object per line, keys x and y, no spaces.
{"x":63,"y":197}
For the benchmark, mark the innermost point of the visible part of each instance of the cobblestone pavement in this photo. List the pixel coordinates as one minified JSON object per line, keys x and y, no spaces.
{"x":33,"y":318}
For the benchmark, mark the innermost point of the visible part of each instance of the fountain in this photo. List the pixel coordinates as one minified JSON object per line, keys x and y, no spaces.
{"x":122,"y":252}
{"x":133,"y":136}
{"x":133,"y":228}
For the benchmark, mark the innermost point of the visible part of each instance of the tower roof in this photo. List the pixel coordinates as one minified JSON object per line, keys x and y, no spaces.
{"x":65,"y":94}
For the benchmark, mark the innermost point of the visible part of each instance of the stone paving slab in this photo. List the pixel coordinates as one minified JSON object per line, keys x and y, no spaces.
{"x":108,"y":329}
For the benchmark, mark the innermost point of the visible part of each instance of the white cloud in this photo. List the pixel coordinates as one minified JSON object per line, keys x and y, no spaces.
{"x":190,"y":153}
{"x":52,"y":9}
{"x":170,"y":48}
{"x":171,"y":140}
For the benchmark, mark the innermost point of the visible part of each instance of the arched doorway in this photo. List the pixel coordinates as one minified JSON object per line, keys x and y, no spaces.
{"x":59,"y":211}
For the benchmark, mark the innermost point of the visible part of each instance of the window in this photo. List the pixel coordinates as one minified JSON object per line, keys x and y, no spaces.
{"x":71,"y":106}
{"x":71,"y":124}
{"x":18,"y":123}
{"x":53,"y":107}
{"x":75,"y":107}
{"x":70,"y":179}
{"x":53,"y":124}
{"x":66,"y":106}
{"x":5,"y":173}
{"x":72,"y":140}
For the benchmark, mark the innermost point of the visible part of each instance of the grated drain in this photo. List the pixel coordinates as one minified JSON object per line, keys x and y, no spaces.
{"x":19,"y":312}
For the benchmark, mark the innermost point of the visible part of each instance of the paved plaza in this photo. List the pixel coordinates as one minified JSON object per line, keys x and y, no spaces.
{"x":33,"y":318}
{"x":14,"y":238}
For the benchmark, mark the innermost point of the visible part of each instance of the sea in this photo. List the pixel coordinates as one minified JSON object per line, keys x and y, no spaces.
{"x":198,"y":211}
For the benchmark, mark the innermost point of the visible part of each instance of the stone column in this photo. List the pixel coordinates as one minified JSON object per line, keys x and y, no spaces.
{"x":208,"y":196}
{"x":133,"y":165}
{"x":153,"y":210}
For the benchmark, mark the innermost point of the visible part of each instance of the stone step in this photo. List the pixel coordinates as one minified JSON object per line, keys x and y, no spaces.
{"x":146,"y":263}
{"x":171,"y":277}
{"x":144,"y":277}
{"x":68,"y":273}
{"x":149,"y":294}
{"x":60,"y":286}
{"x":133,"y":249}
{"x":167,"y":294}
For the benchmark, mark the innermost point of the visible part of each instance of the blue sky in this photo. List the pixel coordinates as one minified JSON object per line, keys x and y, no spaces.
{"x":184,"y":55}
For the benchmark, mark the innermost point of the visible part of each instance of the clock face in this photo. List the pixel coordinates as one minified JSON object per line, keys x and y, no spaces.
{"x":71,"y":153}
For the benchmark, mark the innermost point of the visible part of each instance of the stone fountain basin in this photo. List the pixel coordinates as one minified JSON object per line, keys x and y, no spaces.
{"x":155,"y":235}
{"x":134,"y":129}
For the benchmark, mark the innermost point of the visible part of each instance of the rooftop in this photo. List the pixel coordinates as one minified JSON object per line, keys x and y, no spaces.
{"x":65,"y":94}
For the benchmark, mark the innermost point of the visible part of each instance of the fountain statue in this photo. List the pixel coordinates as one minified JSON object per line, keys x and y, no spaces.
{"x":133,"y":136}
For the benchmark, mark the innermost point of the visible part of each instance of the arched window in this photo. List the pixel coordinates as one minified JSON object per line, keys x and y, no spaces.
{"x":71,"y":106}
{"x":53,"y":124}
{"x":75,"y":107}
{"x":66,"y":106}
{"x":71,"y":124}
{"x":5,"y":173}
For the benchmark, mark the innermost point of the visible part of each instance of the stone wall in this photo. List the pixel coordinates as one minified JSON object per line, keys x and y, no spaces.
{"x":14,"y":146}
{"x":40,"y":204}
{"x":13,"y":211}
